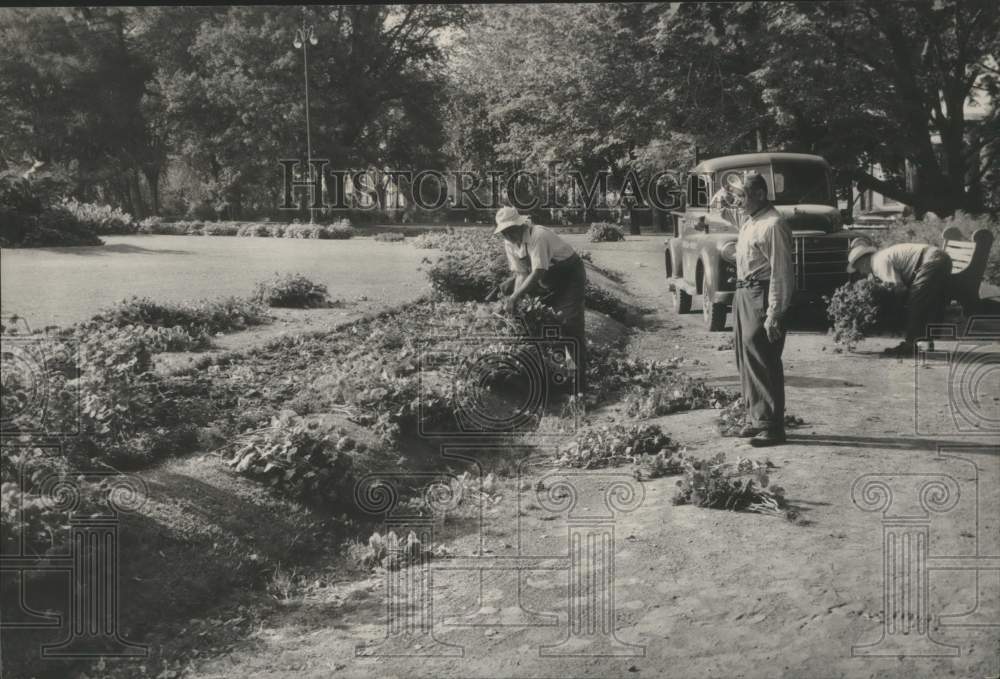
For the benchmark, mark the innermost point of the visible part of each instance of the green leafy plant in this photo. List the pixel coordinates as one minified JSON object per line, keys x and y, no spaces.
{"x":389,"y":237}
{"x":291,"y":290}
{"x":605,"y":232}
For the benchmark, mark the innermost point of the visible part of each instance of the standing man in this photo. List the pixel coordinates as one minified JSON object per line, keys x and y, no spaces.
{"x":922,"y":269}
{"x":545,"y":265}
{"x":764,"y":287}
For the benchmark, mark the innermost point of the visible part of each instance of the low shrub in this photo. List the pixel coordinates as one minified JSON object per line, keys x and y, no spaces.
{"x":31,"y":215}
{"x":219,"y":228}
{"x":101,"y":219}
{"x":299,"y":461}
{"x":715,"y":484}
{"x":292,"y":291}
{"x":860,"y":308}
{"x":258,"y":230}
{"x":56,"y":227}
{"x":389,"y":237}
{"x":152,"y":225}
{"x":341,"y":230}
{"x":604,"y":232}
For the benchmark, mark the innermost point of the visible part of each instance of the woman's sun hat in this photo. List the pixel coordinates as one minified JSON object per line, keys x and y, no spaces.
{"x":508,"y":217}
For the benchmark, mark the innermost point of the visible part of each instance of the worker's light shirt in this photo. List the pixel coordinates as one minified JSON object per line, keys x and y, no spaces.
{"x":898,"y":263}
{"x":538,"y":250}
{"x":764,"y":253}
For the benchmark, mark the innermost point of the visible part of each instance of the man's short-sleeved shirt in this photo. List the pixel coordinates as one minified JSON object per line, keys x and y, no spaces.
{"x":539,"y":249}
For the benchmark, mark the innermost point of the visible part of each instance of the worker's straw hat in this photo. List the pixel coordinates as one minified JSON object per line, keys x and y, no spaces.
{"x":857,"y":252}
{"x":508,"y":217}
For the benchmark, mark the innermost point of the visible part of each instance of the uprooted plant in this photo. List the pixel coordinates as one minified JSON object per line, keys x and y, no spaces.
{"x":716,"y":484}
{"x":616,"y":445}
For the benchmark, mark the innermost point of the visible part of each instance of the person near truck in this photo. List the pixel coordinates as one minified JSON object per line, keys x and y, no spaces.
{"x":545,"y":265}
{"x":764,"y":286}
{"x":921,"y":269}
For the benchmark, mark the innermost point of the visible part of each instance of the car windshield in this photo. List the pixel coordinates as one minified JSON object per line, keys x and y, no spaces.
{"x":796,"y":183}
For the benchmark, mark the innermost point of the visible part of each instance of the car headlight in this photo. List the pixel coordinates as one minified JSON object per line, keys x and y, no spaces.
{"x":728,"y":251}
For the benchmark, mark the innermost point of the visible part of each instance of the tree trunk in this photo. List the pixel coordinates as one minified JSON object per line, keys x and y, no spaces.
{"x":152,"y":174}
{"x":135,"y":195}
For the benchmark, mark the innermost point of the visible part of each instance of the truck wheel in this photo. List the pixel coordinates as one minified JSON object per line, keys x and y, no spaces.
{"x":682,"y":301}
{"x":714,"y":314}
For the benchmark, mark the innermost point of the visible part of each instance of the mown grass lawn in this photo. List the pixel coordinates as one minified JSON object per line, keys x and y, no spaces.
{"x":60,"y":286}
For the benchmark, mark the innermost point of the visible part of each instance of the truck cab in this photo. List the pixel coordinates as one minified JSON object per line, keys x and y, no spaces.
{"x":700,"y":257}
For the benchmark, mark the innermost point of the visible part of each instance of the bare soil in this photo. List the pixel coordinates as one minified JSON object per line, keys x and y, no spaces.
{"x":693,"y":592}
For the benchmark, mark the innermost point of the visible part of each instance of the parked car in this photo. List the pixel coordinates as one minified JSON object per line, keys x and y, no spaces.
{"x":700,"y":258}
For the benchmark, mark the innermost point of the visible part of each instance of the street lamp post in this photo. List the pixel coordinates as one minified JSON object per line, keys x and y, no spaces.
{"x":304,"y":37}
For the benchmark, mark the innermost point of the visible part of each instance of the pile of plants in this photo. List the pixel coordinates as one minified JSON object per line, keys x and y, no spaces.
{"x":291,"y":290}
{"x":299,"y":461}
{"x":616,"y":445}
{"x":389,"y":237}
{"x":716,"y":484}
{"x":203,"y":317}
{"x":673,"y":391}
{"x":649,"y":388}
{"x":103,"y":220}
{"x":864,"y":307}
{"x":605,"y":232}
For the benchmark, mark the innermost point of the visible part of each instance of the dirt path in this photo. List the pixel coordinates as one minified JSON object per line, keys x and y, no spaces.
{"x":693,"y":592}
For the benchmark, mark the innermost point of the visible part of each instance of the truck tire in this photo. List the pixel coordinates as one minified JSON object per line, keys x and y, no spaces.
{"x":714,"y":314}
{"x":682,"y":301}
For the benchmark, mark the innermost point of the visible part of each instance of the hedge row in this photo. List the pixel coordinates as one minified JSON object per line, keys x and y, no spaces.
{"x":337,"y":231}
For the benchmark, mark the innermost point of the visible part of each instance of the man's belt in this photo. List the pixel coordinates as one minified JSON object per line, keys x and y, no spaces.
{"x":751,"y":283}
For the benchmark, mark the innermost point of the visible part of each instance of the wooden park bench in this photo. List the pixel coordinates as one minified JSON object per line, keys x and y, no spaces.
{"x":968,"y":264}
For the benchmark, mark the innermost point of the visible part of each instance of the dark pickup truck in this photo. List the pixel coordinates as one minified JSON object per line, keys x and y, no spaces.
{"x":700,"y":259}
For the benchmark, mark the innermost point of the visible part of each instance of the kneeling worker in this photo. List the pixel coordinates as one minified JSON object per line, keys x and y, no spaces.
{"x":922,"y":269}
{"x":545,"y":265}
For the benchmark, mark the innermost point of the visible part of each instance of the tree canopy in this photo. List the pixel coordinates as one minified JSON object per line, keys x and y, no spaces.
{"x":118,"y":98}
